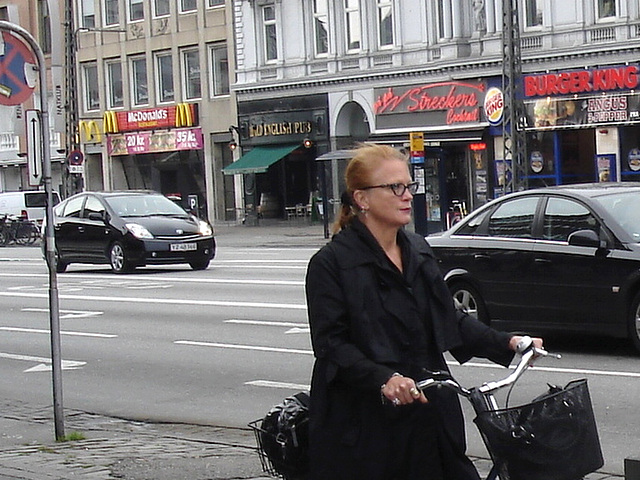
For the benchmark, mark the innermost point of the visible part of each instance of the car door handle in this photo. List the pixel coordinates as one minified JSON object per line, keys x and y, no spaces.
{"x":542,"y":261}
{"x":81,"y":229}
{"x":481,"y":256}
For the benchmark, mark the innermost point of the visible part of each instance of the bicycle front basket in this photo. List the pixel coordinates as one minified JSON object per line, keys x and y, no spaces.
{"x":554,"y":437}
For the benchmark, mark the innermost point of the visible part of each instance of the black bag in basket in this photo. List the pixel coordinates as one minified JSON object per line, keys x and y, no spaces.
{"x":285,"y":436}
{"x":552,"y":438}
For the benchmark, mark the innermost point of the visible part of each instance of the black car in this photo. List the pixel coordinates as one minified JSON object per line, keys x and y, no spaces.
{"x":128,"y":229}
{"x":563,"y":258}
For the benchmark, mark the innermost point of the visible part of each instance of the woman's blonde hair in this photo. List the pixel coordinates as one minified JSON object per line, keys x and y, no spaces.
{"x":367,"y":159}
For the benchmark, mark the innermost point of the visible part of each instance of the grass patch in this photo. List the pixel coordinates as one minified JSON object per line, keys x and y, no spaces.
{"x":72,"y":437}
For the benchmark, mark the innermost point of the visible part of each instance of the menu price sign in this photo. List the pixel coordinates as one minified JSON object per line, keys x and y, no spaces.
{"x":152,"y":142}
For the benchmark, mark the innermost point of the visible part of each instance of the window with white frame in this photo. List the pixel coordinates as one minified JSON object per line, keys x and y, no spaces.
{"x":136,"y":10}
{"x":440,"y":15}
{"x":191,"y":74}
{"x":114,"y":84}
{"x":90,"y":87}
{"x":164,"y":77}
{"x":161,"y":8}
{"x":533,"y":12}
{"x":321,"y":27}
{"x":606,"y":8}
{"x":88,"y":12}
{"x":111,"y":12}
{"x":270,"y":33}
{"x":219,"y":69}
{"x":216,"y":3}
{"x":188,"y":6}
{"x":353,"y":32}
{"x":139,"y":84}
{"x":385,"y":23}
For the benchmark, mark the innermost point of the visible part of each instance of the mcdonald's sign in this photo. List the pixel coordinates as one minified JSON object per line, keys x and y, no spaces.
{"x":174,"y":116}
{"x":89,"y":131}
{"x":110,"y":122}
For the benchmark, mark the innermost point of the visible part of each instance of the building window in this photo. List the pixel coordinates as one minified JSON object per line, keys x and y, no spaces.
{"x":136,"y":10}
{"x":88,"y":14}
{"x":440,"y":13}
{"x":188,"y":6}
{"x":220,"y":70}
{"x":606,"y":8}
{"x":164,"y":72}
{"x":191,"y":74}
{"x":91,"y":93}
{"x":114,"y":80}
{"x":111,"y":12}
{"x":321,"y":26}
{"x":4,"y":14}
{"x":533,"y":13}
{"x":216,"y":3}
{"x":44,"y":26}
{"x":385,"y":23}
{"x":270,"y":33}
{"x":139,"y":81}
{"x":161,"y":8}
{"x":353,"y":33}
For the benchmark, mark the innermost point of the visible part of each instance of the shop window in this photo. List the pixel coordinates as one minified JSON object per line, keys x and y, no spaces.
{"x":191,"y":74}
{"x":270,"y":33}
{"x":114,"y":79}
{"x":321,"y":27}
{"x":90,"y":87}
{"x":219,"y":70}
{"x":136,"y":10}
{"x":164,"y":77}
{"x":161,"y":8}
{"x":111,"y":12}
{"x":353,"y":32}
{"x":139,"y":85}
{"x":385,"y":23}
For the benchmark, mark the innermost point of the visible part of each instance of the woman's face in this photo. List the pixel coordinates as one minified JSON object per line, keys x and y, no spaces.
{"x":383,"y":207}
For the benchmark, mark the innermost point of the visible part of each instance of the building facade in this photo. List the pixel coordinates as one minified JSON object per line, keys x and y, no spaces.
{"x":396,"y":70}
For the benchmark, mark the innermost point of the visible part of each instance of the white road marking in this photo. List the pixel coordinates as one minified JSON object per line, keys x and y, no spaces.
{"x":243,"y":347}
{"x":272,"y":384}
{"x":66,"y":313}
{"x":45,"y":363}
{"x":298,"y":330}
{"x":164,"y":301}
{"x":265,"y":323}
{"x":62,"y":332}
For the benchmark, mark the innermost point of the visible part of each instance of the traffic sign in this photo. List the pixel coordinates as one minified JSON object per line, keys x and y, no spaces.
{"x":34,"y":146}
{"x":17,"y":70}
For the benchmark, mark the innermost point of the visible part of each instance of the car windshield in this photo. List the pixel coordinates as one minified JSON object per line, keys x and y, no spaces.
{"x":144,"y":205}
{"x":624,"y":208}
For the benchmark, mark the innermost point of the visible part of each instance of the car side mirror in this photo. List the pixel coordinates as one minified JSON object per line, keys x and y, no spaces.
{"x":97,"y":216}
{"x":585,"y":238}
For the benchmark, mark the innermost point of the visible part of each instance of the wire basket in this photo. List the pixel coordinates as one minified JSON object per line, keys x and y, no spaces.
{"x":265,"y":462}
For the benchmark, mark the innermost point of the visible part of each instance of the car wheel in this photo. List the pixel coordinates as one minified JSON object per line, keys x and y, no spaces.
{"x":61,"y":265}
{"x":634,"y":322}
{"x":199,"y":264}
{"x":118,"y":259}
{"x":468,"y":299}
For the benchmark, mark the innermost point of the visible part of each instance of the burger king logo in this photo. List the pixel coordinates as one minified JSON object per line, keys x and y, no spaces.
{"x":494,"y":105}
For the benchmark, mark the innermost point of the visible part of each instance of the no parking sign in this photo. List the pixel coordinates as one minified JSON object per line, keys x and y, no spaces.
{"x":18,"y":70}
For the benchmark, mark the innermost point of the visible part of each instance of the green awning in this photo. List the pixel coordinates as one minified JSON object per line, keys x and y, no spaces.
{"x":259,"y":159}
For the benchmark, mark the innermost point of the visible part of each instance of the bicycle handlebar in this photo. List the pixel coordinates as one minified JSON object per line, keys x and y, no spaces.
{"x":529,"y":354}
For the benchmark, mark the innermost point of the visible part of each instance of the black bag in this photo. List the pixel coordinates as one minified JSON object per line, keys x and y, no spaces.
{"x":283,"y":437}
{"x":552,"y":438}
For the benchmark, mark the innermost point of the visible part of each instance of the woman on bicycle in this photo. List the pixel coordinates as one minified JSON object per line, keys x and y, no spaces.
{"x":380,"y":314}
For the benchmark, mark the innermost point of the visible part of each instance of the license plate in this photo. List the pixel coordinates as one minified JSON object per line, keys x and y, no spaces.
{"x":183,"y":247}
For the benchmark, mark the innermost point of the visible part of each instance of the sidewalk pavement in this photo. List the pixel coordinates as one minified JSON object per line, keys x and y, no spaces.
{"x":118,"y":448}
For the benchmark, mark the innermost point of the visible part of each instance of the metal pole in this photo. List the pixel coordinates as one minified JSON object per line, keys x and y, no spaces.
{"x":54,"y":308}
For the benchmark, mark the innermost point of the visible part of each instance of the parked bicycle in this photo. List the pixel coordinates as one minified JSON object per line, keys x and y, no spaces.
{"x":17,"y":230}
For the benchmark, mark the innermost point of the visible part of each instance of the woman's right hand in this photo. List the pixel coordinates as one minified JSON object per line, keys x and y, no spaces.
{"x":400,"y":390}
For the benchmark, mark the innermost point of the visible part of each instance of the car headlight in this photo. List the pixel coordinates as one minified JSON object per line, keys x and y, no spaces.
{"x":204,"y":228}
{"x":138,"y":231}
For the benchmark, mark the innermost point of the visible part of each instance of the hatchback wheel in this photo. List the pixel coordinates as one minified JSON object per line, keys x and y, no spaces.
{"x":118,"y":259}
{"x":468,"y":300}
{"x":634,"y":322}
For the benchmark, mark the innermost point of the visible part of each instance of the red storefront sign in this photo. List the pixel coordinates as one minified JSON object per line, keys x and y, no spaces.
{"x":171,"y":116}
{"x":582,"y":81}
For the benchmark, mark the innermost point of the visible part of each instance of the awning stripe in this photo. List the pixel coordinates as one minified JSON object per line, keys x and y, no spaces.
{"x":259,"y":159}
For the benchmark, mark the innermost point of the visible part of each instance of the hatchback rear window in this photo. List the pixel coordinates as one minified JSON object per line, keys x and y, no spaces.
{"x":39,"y":199}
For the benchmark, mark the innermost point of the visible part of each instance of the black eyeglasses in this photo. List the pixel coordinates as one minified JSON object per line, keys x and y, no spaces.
{"x":398,"y":189}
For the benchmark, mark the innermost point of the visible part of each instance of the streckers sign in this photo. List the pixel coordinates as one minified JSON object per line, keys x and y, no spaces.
{"x":434,"y":104}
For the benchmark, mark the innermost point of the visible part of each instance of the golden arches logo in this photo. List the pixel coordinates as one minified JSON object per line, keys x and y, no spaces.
{"x":110,"y":122}
{"x":89,"y":131}
{"x":184,"y":115}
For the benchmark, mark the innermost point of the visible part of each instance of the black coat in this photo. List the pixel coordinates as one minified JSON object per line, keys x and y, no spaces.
{"x":368,"y":321}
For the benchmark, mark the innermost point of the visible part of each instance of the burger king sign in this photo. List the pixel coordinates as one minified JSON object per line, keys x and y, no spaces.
{"x":494,"y":105}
